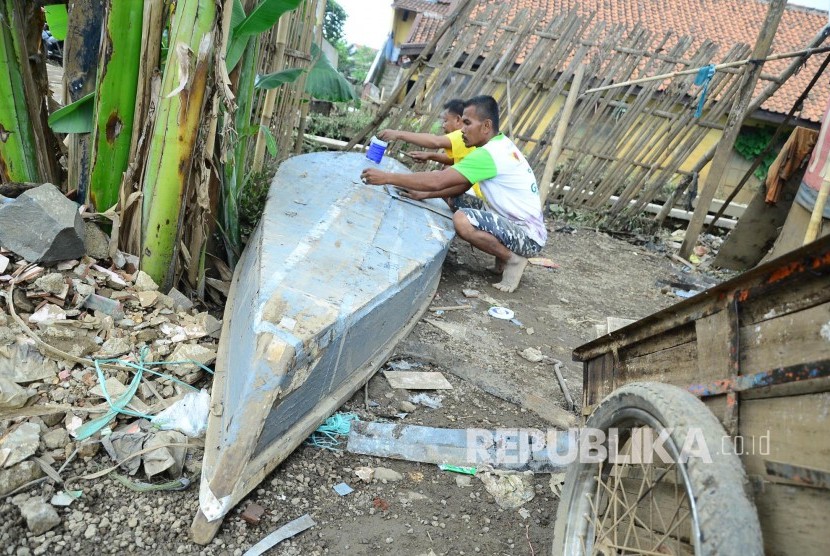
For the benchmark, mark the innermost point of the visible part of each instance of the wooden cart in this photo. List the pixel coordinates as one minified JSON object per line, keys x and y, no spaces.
{"x":756,"y":351}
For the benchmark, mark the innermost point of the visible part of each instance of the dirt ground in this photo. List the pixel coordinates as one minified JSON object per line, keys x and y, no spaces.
{"x":427,"y":511}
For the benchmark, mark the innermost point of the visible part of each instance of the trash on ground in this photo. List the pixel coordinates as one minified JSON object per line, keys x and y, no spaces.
{"x":557,"y":482}
{"x":19,"y":444}
{"x":342,"y":489}
{"x":500,"y":449}
{"x":65,"y":498}
{"x":365,"y":474}
{"x":433,"y":402}
{"x":543,"y":262}
{"x":415,"y":380}
{"x":685,"y":294}
{"x":470,"y":293}
{"x":402,"y":365}
{"x":511,"y":490}
{"x":188,"y":415}
{"x":285,"y":532}
{"x":329,"y":433}
{"x":502,"y":313}
{"x":457,"y":469}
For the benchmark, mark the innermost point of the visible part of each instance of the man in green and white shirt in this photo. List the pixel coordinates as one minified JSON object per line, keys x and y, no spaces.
{"x":510,"y":225}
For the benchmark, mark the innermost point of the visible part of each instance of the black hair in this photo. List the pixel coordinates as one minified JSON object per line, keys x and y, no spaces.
{"x":486,"y":108}
{"x":455,"y":106}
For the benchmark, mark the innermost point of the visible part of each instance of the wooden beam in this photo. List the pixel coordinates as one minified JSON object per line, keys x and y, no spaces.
{"x":723,"y":152}
{"x":561,"y":129}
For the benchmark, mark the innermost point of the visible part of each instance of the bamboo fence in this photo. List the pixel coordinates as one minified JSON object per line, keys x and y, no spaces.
{"x":624,"y":148}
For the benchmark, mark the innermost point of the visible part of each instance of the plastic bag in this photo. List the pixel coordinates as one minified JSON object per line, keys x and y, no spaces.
{"x":188,"y":415}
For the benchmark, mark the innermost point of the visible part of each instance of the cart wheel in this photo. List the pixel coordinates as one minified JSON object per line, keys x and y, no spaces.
{"x":683,"y":506}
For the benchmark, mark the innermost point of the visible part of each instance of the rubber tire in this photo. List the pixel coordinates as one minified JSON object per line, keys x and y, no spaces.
{"x":726,"y":515}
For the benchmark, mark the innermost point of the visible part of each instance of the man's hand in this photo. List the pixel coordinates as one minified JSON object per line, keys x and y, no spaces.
{"x":420,"y":156}
{"x":388,"y":135}
{"x":414,"y":195}
{"x":373,"y":176}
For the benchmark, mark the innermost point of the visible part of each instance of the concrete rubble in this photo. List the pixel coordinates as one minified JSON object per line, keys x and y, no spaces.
{"x":54,"y":320}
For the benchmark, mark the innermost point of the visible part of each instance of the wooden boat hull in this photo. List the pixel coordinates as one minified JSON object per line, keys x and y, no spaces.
{"x":334,"y":276}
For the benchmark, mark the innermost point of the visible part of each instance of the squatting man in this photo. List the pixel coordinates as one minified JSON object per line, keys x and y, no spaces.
{"x":508,"y":222}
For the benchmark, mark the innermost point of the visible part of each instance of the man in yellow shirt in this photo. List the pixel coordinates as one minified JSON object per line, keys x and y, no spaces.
{"x":452,"y":142}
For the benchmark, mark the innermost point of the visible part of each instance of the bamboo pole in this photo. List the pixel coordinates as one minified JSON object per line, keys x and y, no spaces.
{"x":756,"y":103}
{"x":277,"y":64}
{"x":561,"y":129}
{"x":733,"y":126}
{"x":818,"y":210}
{"x":735,"y":64}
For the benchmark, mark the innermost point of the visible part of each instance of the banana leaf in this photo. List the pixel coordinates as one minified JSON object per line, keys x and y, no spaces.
{"x":324,"y":82}
{"x":74,"y":118}
{"x":264,"y":16}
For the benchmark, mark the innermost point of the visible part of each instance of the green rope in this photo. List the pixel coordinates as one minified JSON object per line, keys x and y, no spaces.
{"x":327,"y":435}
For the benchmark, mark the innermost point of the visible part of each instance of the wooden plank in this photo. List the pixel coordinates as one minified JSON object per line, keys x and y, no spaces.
{"x":714,"y":345}
{"x":598,"y":379}
{"x":668,"y":339}
{"x":791,"y":430}
{"x":676,"y":365}
{"x":415,"y":380}
{"x":793,"y":519}
{"x":787,"y":340}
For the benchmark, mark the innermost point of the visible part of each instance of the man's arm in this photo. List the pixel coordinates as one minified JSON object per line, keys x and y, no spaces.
{"x":432,"y":184}
{"x":453,"y":191}
{"x":421,"y":156}
{"x":425,"y":140}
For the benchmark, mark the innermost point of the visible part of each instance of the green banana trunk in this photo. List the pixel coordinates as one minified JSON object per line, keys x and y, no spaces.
{"x":18,"y":161}
{"x":115,"y":101}
{"x":173,"y":143}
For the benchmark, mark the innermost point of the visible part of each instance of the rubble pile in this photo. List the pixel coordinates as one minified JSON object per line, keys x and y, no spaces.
{"x":56,"y":404}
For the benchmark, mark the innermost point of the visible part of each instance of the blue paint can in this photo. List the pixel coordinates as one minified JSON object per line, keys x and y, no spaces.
{"x":376,"y":150}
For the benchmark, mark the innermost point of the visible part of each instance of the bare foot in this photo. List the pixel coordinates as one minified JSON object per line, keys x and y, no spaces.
{"x":513,"y":270}
{"x":498,"y":266}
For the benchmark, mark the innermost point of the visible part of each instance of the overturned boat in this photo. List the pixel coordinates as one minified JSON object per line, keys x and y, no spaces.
{"x":336,"y":273}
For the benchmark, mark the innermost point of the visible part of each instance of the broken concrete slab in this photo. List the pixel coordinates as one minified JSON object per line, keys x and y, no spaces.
{"x":186,"y":354}
{"x":415,"y":380}
{"x":42,"y":226}
{"x":508,"y":449}
{"x":180,"y":300}
{"x":19,"y":444}
{"x":53,"y":283}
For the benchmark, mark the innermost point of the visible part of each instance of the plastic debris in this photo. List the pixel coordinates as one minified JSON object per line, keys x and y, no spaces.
{"x":188,"y":415}
{"x":433,"y":402}
{"x":285,"y":532}
{"x":328,"y":434}
{"x":342,"y":489}
{"x":502,"y":313}
{"x":457,"y":469}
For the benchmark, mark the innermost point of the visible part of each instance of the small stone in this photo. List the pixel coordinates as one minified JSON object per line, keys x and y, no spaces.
{"x":96,"y":242}
{"x":90,"y":532}
{"x":148,"y":298}
{"x":39,"y":516}
{"x":532,"y":354}
{"x":18,"y":475}
{"x":180,"y":300}
{"x":407,"y":407}
{"x":144,"y":283}
{"x":253,"y":513}
{"x":56,"y":438}
{"x":386,"y":474}
{"x":114,"y":347}
{"x":88,"y":448}
{"x":19,"y":444}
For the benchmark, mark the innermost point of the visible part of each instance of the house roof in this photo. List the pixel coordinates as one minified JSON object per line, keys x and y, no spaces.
{"x":725,"y":22}
{"x":441,"y":7}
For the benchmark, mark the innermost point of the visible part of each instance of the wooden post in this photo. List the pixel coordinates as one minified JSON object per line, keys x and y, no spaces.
{"x":733,"y":125}
{"x":559,"y":138}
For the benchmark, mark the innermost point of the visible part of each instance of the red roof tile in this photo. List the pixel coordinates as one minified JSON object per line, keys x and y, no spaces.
{"x":442,"y":7}
{"x":725,"y":22}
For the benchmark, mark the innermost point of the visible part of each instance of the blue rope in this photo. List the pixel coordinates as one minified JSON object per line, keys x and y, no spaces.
{"x":327,"y":435}
{"x":703,"y":78}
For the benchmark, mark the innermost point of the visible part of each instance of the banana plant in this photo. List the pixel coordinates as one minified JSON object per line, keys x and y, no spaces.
{"x":18,"y":149}
{"x":115,"y":100}
{"x":175,"y":131}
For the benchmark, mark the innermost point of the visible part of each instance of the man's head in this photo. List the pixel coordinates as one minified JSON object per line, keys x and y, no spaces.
{"x":451,"y":116}
{"x":480,"y":120}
